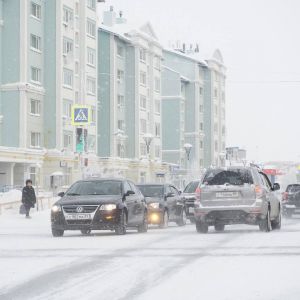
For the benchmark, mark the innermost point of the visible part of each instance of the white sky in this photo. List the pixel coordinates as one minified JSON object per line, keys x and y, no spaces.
{"x":260,"y":43}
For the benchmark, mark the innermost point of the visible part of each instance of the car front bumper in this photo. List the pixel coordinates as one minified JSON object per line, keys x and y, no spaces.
{"x":155,"y":216}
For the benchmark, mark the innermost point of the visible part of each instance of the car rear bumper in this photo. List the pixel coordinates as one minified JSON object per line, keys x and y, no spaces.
{"x":230,"y":215}
{"x":290,"y":208}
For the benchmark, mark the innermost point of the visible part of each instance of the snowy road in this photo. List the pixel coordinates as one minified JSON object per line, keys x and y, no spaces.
{"x":175,"y":263}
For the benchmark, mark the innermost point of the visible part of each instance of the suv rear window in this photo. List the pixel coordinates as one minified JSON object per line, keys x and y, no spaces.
{"x":191,"y":187}
{"x":292,"y":188}
{"x":231,"y":176}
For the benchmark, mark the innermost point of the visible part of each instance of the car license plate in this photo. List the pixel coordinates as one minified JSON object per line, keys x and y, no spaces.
{"x":227,"y":194}
{"x":191,"y":210}
{"x":78,"y":217}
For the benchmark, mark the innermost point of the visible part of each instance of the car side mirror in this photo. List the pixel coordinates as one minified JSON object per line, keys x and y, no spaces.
{"x":276,"y":187}
{"x":61,"y":194}
{"x":180,"y":192}
{"x":128,"y":193}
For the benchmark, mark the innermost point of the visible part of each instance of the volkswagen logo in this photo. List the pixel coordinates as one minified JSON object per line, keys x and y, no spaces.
{"x":79,"y":209}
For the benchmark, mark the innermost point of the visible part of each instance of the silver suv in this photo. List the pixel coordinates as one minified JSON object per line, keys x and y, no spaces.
{"x":237,"y":195}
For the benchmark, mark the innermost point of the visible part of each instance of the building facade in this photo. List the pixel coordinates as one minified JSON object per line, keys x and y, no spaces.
{"x":129,"y":98}
{"x":47,"y":64}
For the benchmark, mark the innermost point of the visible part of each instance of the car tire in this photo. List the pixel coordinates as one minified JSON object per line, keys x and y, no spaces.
{"x":121,"y":226}
{"x":219,"y":227}
{"x":276,"y":224}
{"x":183,"y":218}
{"x":165,"y":221}
{"x":57,"y":232}
{"x":201,"y":227}
{"x":265,"y":224}
{"x":144,"y":226}
{"x":85,"y":231}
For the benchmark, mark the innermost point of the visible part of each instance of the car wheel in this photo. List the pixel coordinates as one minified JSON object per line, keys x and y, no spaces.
{"x":57,"y":232}
{"x":276,"y":224}
{"x":265,"y":224}
{"x":165,"y":221}
{"x":182,"y":221}
{"x":144,"y":226}
{"x":121,"y":226}
{"x":219,"y":227}
{"x":201,"y":227}
{"x":86,"y":231}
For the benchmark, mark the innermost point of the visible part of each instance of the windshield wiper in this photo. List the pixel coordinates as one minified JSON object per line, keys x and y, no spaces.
{"x":73,"y":194}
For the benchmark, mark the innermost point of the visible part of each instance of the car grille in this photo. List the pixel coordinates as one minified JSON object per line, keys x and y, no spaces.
{"x":72,"y":209}
{"x":79,"y":222}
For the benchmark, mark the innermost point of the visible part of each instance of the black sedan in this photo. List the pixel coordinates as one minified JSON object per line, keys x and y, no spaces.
{"x":100,"y":204}
{"x":164,"y":203}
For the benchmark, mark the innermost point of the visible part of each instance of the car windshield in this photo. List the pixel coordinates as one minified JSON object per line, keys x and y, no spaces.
{"x":232,"y":177}
{"x":103,"y":187}
{"x":152,"y":190}
{"x":293,"y":188}
{"x":191,"y":187}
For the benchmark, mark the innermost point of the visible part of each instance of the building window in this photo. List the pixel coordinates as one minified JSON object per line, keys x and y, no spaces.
{"x":157,"y":84}
{"x":157,"y":129}
{"x":120,"y":51}
{"x":216,"y":128}
{"x":76,"y":67}
{"x":77,"y":8}
{"x":216,"y":76}
{"x":32,"y":175}
{"x":121,"y":101}
{"x":68,"y":78}
{"x":121,"y":125}
{"x":201,"y":144}
{"x":201,"y":126}
{"x":91,"y":28}
{"x":91,"y":57}
{"x":67,"y":46}
{"x":157,"y":62}
{"x":67,"y":108}
{"x":35,"y":74}
{"x":68,"y":137}
{"x":223,"y":97}
{"x":91,"y":85}
{"x":143,"y":149}
{"x":216,"y":146}
{"x":143,"y":78}
{"x":216,"y":110}
{"x":67,"y":15}
{"x":216,"y":93}
{"x":201,"y":91}
{"x":120,"y":75}
{"x":143,"y":125}
{"x":143,"y":102}
{"x":35,"y":139}
{"x":157,"y":151}
{"x":223,"y":113}
{"x":76,"y":97}
{"x":77,"y":38}
{"x":201,"y":108}
{"x":120,"y":150}
{"x":143,"y":55}
{"x":36,"y":10}
{"x":35,"y":107}
{"x":91,"y":143}
{"x":157,"y":106}
{"x":35,"y":42}
{"x":91,"y":4}
{"x":223,"y":130}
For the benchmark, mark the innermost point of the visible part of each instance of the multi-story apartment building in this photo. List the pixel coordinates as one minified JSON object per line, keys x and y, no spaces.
{"x":182,"y":105}
{"x":193,"y":102}
{"x":214,"y":111}
{"x":129,"y":98}
{"x":47,"y":64}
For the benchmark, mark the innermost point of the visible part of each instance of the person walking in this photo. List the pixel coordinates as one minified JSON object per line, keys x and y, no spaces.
{"x":28,"y":197}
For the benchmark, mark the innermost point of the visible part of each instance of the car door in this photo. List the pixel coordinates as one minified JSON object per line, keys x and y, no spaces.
{"x":138,"y":207}
{"x":178,"y":202}
{"x":130,"y":203}
{"x":171,"y":202}
{"x":272,"y":198}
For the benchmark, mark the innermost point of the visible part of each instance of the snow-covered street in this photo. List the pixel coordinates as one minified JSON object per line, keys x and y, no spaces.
{"x":175,"y":263}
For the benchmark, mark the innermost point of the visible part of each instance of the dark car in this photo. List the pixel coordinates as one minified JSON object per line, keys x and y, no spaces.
{"x":100,"y":204}
{"x":291,"y":200}
{"x":237,"y":195}
{"x":164,"y":204}
{"x":189,"y":197}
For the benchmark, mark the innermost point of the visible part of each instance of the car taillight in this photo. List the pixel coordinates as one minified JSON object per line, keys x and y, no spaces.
{"x":258,"y":191}
{"x":198,"y":193}
{"x":285,"y":196}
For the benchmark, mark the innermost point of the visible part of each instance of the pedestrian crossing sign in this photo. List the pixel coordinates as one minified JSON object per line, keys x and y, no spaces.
{"x":80,"y":115}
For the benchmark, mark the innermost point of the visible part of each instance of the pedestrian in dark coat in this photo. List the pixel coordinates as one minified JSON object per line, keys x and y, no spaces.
{"x":28,"y":197}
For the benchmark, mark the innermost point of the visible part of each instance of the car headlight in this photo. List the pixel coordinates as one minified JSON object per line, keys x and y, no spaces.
{"x":56,"y":208}
{"x":154,"y":205}
{"x":108,"y":207}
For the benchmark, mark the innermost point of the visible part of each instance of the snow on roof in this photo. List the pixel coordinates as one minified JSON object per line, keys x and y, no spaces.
{"x":191,"y":56}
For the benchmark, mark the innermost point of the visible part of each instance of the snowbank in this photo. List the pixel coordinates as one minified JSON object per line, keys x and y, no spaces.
{"x":11,"y":196}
